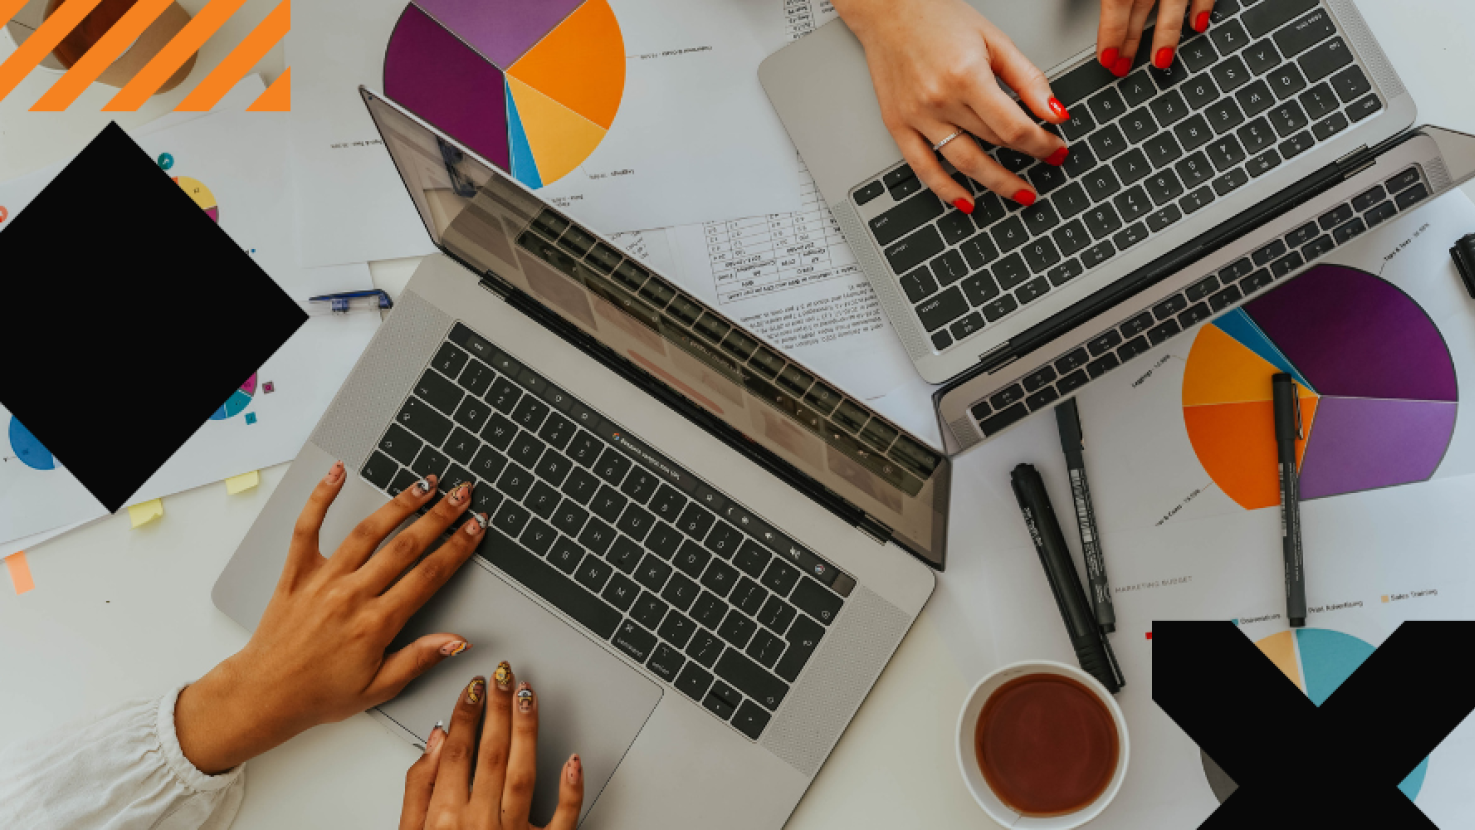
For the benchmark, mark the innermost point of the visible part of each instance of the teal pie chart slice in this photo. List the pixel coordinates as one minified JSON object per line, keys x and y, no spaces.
{"x":30,"y":451}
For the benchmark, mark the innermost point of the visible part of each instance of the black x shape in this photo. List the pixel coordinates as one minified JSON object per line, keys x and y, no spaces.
{"x":1298,"y":765}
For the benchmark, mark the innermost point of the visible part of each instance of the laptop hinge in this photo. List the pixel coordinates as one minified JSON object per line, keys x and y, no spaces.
{"x":495,"y":284}
{"x":1360,"y":149}
{"x":874,"y":529}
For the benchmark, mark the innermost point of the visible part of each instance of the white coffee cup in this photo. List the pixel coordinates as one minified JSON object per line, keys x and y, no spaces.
{"x":968,"y":755}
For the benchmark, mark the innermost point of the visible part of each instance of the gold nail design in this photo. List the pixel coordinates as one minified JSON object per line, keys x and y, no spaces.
{"x":453,"y":648}
{"x":503,"y":675}
{"x":475,"y":690}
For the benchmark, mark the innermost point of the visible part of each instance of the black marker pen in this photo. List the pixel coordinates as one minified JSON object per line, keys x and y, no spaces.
{"x":1287,"y":429}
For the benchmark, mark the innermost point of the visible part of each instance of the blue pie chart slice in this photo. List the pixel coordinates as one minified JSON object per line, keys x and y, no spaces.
{"x":30,"y":451}
{"x":233,"y":406}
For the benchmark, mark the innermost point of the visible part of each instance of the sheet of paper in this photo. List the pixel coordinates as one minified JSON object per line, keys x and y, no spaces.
{"x":694,"y":137}
{"x":791,"y":279}
{"x":235,"y":165}
{"x":1178,"y":543}
{"x":29,"y":542}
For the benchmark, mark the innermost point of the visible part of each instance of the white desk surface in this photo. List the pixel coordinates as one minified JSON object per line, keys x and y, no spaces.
{"x":121,"y":613}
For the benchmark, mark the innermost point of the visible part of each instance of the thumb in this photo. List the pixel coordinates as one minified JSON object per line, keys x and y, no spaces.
{"x":420,"y":782}
{"x":412,"y":661}
{"x":570,"y":796}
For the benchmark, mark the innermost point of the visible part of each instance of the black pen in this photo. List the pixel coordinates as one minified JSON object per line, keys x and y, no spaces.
{"x":1073,"y":442}
{"x":1287,"y":430}
{"x":1092,"y":650}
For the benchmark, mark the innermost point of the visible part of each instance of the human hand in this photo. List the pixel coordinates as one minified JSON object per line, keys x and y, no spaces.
{"x":442,"y":791}
{"x":1122,"y":23}
{"x":318,"y":654}
{"x":933,"y":63}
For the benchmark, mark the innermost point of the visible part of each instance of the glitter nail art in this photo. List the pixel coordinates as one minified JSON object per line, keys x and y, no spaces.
{"x":503,"y":675}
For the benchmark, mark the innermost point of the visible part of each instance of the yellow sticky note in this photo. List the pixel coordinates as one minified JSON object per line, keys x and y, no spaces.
{"x":142,"y":514}
{"x":244,"y":481}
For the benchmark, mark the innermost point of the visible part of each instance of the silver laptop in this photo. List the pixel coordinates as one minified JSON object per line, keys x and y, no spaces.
{"x":1274,"y":100}
{"x":699,"y":552}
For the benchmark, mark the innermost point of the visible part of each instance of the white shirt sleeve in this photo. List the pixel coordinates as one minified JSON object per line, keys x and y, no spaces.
{"x":121,"y":769}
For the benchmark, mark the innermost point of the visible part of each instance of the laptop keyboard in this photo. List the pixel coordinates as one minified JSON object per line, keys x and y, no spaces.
{"x":1266,"y":83}
{"x":1199,"y":302}
{"x":705,"y":594}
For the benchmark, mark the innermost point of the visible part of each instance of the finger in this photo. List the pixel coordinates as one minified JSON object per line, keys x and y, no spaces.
{"x":411,"y":661}
{"x":496,"y":742}
{"x":980,"y":167}
{"x":370,"y":533}
{"x":453,"y":779}
{"x":1169,"y":31}
{"x":570,"y":796}
{"x":303,"y":556}
{"x":1200,"y":14}
{"x":420,"y":782}
{"x":381,"y":571}
{"x":916,"y":148}
{"x":1024,"y":77}
{"x":522,"y":758}
{"x":1010,"y":123}
{"x":1136,"y":23}
{"x":421,"y":583}
{"x":1111,"y":36}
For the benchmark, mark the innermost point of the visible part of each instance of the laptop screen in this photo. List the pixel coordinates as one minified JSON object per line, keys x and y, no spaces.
{"x":482,"y":217}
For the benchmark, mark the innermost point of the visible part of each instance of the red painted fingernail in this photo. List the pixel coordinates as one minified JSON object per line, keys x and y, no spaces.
{"x":1201,"y":23}
{"x":1025,"y":197}
{"x":1121,"y":67}
{"x":1059,"y":109}
{"x":1164,"y":58}
{"x":963,"y":204}
{"x":1057,"y":158}
{"x":1108,"y":58}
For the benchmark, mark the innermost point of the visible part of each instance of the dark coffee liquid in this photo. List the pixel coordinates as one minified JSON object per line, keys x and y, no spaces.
{"x":1047,"y":746}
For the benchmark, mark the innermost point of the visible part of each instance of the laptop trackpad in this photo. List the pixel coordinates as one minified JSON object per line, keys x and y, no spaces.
{"x":588,"y":701}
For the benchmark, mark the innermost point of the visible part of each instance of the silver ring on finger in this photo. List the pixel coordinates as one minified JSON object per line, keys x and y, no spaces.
{"x":943,"y":143}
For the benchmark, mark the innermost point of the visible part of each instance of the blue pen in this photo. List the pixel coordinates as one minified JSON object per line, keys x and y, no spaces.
{"x":349,"y":301}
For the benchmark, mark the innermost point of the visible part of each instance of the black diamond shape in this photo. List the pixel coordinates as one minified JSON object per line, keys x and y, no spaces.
{"x":113,"y":268}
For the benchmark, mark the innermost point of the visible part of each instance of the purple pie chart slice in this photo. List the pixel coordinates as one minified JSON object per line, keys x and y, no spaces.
{"x":1364,"y":444}
{"x":1352,"y":334}
{"x":436,"y":76}
{"x":502,"y":30}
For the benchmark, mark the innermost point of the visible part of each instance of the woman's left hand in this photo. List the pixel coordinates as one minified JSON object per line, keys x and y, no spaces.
{"x":320,"y":651}
{"x":1123,"y":21}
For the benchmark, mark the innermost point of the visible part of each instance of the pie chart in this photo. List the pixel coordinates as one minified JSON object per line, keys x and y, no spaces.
{"x":1317,"y":660}
{"x":29,"y":450}
{"x":1377,"y":388}
{"x":201,"y":194}
{"x":237,"y":402}
{"x":530,"y":85}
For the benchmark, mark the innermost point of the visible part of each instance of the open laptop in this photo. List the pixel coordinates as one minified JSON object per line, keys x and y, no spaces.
{"x":1275,"y":100}
{"x":699,"y":553}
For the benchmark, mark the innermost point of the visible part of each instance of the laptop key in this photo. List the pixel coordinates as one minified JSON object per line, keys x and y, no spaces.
{"x":748,"y":597}
{"x":1073,"y":381}
{"x":1350,"y":84}
{"x":942,"y":309}
{"x":1036,"y":380}
{"x":1256,"y":135}
{"x":1365,"y":107}
{"x":1263,"y":163}
{"x":1257,"y":280}
{"x":1197,"y":200}
{"x":1003,"y":420}
{"x":751,"y":679}
{"x":504,"y":394}
{"x":1064,"y":273}
{"x":1007,"y":396}
{"x":905,"y":218}
{"x":1231,"y":181}
{"x":399,"y":444}
{"x":1132,"y":348}
{"x":430,"y":462}
{"x":1162,"y":332}
{"x":1103,"y":343}
{"x":1194,"y":315}
{"x":1169,"y":109}
{"x":1162,"y":149}
{"x":1329,"y":127}
{"x":1224,"y":299}
{"x":1409,"y":197}
{"x":694,"y":681}
{"x":1160,"y":220}
{"x":948,"y":268}
{"x":1041,"y":255}
{"x":1318,"y":246}
{"x":1264,"y":18}
{"x":380,"y":470}
{"x":915,"y":250}
{"x":1107,"y":142}
{"x":666,"y":661}
{"x":1042,"y":399}
{"x":1288,"y":118}
{"x":1175,"y":74}
{"x":1347,"y":232}
{"x":966,"y":326}
{"x":1073,"y":361}
{"x":1102,"y":365}
{"x":1045,"y":178}
{"x":1195,"y":170}
{"x":1200,"y":92}
{"x":1230,"y":74}
{"x":717,"y":706}
{"x":765,"y":648}
{"x":1379,"y":214}
{"x":1325,"y":59}
{"x":1255,"y":99}
{"x":1193,"y":133}
{"x":736,"y":629}
{"x":1130,"y":236}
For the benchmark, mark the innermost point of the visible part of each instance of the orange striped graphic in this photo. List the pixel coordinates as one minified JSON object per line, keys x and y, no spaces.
{"x":41,"y":42}
{"x":9,"y":9}
{"x":101,"y":55}
{"x":277,"y":97}
{"x":239,"y":61}
{"x":186,"y":43}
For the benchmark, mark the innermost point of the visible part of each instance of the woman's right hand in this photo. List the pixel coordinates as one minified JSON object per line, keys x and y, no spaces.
{"x":933,"y":63}
{"x":442,"y":792}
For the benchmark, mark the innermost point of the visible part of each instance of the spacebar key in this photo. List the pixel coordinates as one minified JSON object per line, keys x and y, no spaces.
{"x":751,"y":679}
{"x":544,"y":580}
